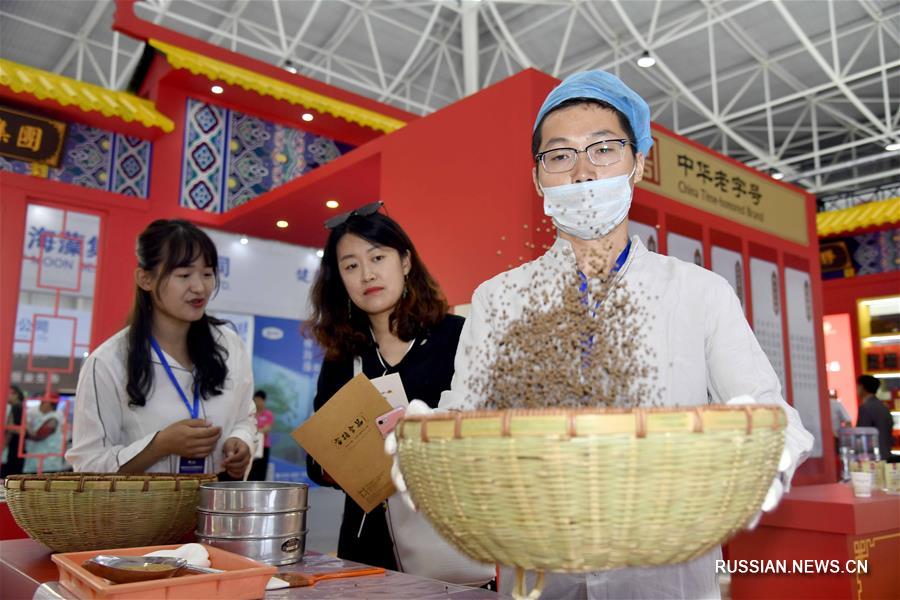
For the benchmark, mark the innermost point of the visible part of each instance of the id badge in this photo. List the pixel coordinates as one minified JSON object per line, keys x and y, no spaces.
{"x":191,"y":466}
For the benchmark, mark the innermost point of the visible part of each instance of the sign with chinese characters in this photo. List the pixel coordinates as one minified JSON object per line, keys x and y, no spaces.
{"x":263,"y":277}
{"x":834,"y":256}
{"x":647,"y":234}
{"x":685,"y":248}
{"x":802,"y":351}
{"x":730,"y":265}
{"x":681,"y":171}
{"x":765,"y":298}
{"x":56,"y":289}
{"x":31,"y":138}
{"x":59,"y":251}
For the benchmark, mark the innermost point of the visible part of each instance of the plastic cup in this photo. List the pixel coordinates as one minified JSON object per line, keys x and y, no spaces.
{"x":862,"y":483}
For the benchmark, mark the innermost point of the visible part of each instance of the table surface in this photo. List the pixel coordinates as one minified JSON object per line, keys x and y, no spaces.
{"x":25,"y":565}
{"x":833,"y":508}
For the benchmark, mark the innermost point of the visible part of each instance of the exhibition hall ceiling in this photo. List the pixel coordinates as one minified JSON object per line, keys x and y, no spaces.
{"x":806,"y":89}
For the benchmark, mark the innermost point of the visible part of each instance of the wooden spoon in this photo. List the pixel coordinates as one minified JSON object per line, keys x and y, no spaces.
{"x":296,"y":579}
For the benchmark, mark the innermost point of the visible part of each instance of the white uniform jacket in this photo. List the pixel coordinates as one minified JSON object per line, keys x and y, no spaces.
{"x":704,"y":349}
{"x":108,"y":432}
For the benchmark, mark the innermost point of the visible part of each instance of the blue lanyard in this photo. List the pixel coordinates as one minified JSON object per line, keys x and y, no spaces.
{"x":196,"y":409}
{"x":620,"y":262}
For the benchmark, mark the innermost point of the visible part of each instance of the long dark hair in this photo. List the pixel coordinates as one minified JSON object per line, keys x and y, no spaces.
{"x":338,"y":325}
{"x":163,"y":247}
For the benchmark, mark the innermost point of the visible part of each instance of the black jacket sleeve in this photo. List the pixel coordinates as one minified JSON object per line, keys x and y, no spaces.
{"x":864,"y":417}
{"x":332,"y":377}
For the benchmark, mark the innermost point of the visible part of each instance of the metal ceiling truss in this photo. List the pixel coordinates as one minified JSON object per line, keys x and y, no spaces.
{"x":823,"y":124}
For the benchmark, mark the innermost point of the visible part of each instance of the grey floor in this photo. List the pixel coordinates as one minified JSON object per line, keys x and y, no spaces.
{"x":326,"y":507}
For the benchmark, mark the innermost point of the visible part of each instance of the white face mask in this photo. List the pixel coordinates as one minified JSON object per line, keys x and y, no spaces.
{"x":589,"y":209}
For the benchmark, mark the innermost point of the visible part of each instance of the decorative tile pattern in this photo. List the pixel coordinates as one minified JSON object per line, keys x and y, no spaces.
{"x":87,"y":157}
{"x":877,"y":252}
{"x":206,"y":130}
{"x":259,"y":156}
{"x":862,"y":254}
{"x":15,"y":166}
{"x":131,"y":166}
{"x":251,"y":153}
{"x":97,"y":159}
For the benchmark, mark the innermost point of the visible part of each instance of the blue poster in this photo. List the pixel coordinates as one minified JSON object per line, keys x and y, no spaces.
{"x":286,"y":365}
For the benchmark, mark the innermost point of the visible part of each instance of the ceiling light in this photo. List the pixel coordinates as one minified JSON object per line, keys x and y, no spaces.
{"x":217,"y":89}
{"x":282,"y":224}
{"x":290,"y":68}
{"x":244,"y":240}
{"x":646,"y":61}
{"x":332,"y":204}
{"x":320,"y":253}
{"x":777,"y":175}
{"x":307,"y":117}
{"x":893,"y":147}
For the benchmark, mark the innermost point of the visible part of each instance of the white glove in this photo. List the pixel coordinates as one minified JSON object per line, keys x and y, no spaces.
{"x":416,"y":407}
{"x":782,"y":481}
{"x":195,"y":554}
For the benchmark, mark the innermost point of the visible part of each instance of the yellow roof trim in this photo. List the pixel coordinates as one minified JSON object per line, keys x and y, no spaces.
{"x":217,"y":70}
{"x":870,"y":214}
{"x":86,"y":96}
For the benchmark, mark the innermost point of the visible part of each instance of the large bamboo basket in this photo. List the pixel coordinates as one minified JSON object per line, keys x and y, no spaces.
{"x":89,"y":511}
{"x":580,"y":490}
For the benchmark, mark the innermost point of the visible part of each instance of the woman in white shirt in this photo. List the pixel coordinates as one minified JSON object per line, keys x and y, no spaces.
{"x":173,"y":392}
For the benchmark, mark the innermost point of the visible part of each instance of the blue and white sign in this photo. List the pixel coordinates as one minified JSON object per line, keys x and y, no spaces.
{"x":263,"y":277}
{"x":242,"y":324}
{"x":69,"y":258}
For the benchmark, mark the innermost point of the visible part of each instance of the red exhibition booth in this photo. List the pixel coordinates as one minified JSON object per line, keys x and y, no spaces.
{"x":471,"y":215}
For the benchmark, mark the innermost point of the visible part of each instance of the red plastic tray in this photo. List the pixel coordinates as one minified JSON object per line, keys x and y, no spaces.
{"x":243,"y":579}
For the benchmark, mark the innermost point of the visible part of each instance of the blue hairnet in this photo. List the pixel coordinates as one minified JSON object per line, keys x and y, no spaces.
{"x":600,"y":85}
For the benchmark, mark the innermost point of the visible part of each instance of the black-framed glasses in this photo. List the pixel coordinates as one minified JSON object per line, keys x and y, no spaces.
{"x":365,"y":210}
{"x":601,"y":154}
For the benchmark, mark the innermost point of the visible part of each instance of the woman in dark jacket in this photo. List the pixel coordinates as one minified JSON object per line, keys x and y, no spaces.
{"x":377,"y":309}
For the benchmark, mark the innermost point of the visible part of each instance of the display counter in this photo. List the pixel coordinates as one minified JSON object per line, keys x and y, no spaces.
{"x":27,"y":572}
{"x":802,"y":549}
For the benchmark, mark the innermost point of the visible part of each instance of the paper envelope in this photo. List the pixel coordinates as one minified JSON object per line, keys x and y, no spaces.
{"x":342,"y":437}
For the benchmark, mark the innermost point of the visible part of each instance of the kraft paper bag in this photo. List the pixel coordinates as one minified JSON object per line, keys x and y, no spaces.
{"x":342,"y":437}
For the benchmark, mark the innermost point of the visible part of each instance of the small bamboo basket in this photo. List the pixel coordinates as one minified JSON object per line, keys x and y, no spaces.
{"x":88,"y":511}
{"x":580,"y":490}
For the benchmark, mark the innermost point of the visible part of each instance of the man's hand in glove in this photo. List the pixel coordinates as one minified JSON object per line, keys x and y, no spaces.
{"x":782,"y":482}
{"x":416,"y":407}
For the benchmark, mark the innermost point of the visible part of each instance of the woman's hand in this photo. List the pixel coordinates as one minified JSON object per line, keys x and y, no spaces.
{"x":237,"y":457}
{"x":190,"y":438}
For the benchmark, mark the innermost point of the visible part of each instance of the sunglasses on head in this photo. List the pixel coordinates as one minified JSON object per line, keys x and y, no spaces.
{"x":365,"y":210}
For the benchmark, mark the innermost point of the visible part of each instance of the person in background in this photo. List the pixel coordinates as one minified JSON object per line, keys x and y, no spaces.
{"x":15,"y":404}
{"x":44,"y":435}
{"x":264,"y":421}
{"x":839,"y":417}
{"x":874,"y":413}
{"x":376,"y":309}
{"x":172,"y":392}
